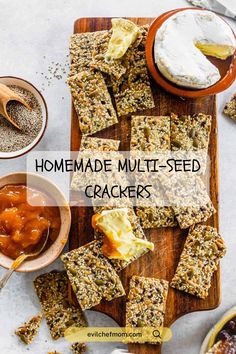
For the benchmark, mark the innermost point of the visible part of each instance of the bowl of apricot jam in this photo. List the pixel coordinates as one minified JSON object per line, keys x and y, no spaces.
{"x":30,"y":205}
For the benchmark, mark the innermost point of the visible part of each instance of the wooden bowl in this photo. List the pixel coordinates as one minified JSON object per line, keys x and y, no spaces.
{"x":226,"y":67}
{"x":52,"y":253}
{"x":11,"y":80}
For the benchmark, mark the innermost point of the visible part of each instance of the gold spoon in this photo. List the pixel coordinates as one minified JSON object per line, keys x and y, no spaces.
{"x":6,"y":96}
{"x":38,"y":249}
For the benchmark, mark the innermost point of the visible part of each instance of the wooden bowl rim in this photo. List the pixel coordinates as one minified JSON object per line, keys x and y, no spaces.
{"x":220,"y":86}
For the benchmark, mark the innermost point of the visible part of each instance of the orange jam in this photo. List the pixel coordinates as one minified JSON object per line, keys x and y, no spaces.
{"x":23,"y":223}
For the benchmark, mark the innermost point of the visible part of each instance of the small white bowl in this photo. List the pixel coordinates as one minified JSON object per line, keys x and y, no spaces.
{"x":45,"y":185}
{"x":11,"y":80}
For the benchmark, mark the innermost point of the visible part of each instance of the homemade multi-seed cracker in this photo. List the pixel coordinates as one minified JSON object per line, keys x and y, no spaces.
{"x":152,"y":134}
{"x":146,"y":303}
{"x":189,"y":198}
{"x":190,"y":133}
{"x":132,"y":92}
{"x":51,"y":288}
{"x":81,"y":49}
{"x":52,"y":291}
{"x":63,"y":316}
{"x":28,"y":331}
{"x":113,"y":67}
{"x":99,"y":144}
{"x":198,"y":206}
{"x":153,"y":217}
{"x":200,"y":258}
{"x":91,"y":275}
{"x":92,"y":102}
{"x":189,"y":216}
{"x":140,"y":41}
{"x":93,"y":144}
{"x":78,"y":348}
{"x":120,"y":264}
{"x":75,"y":69}
{"x":230,"y":108}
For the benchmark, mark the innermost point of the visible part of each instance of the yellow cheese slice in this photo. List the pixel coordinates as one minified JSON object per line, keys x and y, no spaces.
{"x":119,"y":239}
{"x":124,"y":33}
{"x":218,"y":51}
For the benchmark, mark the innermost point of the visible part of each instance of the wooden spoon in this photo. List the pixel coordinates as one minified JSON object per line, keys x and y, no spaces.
{"x":37,"y":250}
{"x":7,"y":95}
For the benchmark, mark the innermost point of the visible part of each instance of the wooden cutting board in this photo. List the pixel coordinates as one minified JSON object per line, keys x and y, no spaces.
{"x":168,"y":241}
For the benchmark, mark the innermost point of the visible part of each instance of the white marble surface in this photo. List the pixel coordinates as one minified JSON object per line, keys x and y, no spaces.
{"x":33,"y":34}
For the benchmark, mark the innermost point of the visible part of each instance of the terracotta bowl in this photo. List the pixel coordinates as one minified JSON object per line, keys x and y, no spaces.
{"x":227,"y":67}
{"x":10,"y":80}
{"x":53,"y":252}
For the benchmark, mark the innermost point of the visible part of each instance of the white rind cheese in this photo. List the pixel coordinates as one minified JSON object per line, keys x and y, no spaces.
{"x":181,"y":41}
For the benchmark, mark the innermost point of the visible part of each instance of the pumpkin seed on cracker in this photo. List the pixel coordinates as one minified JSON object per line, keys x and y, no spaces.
{"x":190,"y":132}
{"x":150,"y":133}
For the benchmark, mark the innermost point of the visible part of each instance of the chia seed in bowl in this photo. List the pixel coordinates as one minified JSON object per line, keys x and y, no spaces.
{"x":30,"y":122}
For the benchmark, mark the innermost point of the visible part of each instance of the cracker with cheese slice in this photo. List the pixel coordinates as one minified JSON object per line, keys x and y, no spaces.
{"x":132,"y":92}
{"x":124,"y":33}
{"x":114,"y":67}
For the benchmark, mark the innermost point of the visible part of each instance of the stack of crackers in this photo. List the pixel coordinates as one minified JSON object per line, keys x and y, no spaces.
{"x":90,"y":77}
